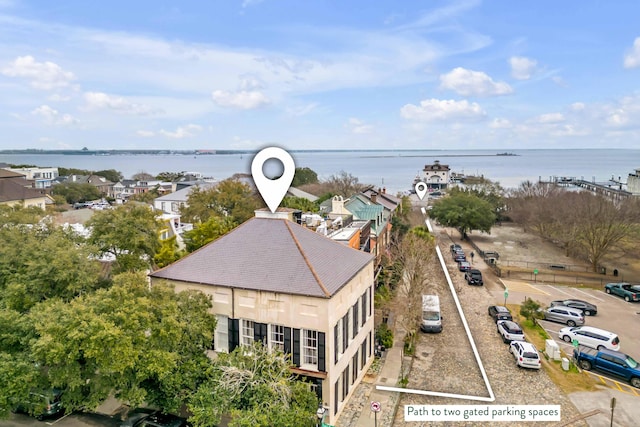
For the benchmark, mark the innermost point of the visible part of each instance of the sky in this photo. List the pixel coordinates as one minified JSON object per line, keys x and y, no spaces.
{"x":244,"y":74}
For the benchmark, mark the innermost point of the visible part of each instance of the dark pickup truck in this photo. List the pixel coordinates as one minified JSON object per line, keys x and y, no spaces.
{"x":610,"y":362}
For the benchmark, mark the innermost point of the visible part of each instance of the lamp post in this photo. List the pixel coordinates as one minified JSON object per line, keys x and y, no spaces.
{"x":320,"y":414}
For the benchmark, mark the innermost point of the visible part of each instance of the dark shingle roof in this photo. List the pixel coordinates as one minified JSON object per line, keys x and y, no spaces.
{"x":12,"y":190}
{"x":274,"y":255}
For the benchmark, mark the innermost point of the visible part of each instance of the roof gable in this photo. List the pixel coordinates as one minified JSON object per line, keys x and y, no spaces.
{"x":11,"y":190}
{"x":273,"y":255}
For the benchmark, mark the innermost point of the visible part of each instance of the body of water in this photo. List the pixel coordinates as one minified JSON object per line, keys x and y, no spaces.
{"x":394,"y":170}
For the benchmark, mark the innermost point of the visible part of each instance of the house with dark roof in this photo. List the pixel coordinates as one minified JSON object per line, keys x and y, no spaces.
{"x":436,"y":176}
{"x":273,"y":280}
{"x":15,"y":189}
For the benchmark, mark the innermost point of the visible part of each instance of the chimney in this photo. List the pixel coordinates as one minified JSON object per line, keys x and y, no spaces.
{"x":384,"y":190}
{"x":337,"y":205}
{"x":374,"y":197}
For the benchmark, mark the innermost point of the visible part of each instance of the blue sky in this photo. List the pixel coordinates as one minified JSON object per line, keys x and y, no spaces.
{"x":243,"y":74}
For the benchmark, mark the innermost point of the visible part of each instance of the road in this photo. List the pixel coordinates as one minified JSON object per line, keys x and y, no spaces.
{"x":72,"y":420}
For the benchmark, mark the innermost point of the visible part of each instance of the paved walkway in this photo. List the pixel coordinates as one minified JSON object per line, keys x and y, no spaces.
{"x":358,"y":411}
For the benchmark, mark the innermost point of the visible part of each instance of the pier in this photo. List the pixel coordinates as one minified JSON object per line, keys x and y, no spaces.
{"x":611,"y":189}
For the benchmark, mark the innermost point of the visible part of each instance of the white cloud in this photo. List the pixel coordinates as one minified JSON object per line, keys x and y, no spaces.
{"x":41,"y":75}
{"x":100,"y":100}
{"x":303,"y":110}
{"x":357,"y":126}
{"x":551,"y":118}
{"x":577,"y":106}
{"x":499,"y":123}
{"x":251,"y":83}
{"x":632,"y":58}
{"x":145,"y":133}
{"x":431,"y":110}
{"x":56,"y":97}
{"x":52,"y":116}
{"x":522,"y":67}
{"x":617,"y":118}
{"x":181,"y":132}
{"x":473,"y":83}
{"x":244,"y":100}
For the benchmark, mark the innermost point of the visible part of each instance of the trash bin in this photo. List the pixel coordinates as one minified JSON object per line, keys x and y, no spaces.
{"x":565,"y":364}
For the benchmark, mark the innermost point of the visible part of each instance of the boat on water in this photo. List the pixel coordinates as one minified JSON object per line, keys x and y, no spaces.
{"x":506,"y":154}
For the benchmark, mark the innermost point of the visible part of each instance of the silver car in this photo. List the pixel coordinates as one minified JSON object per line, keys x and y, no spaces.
{"x":562,"y":314}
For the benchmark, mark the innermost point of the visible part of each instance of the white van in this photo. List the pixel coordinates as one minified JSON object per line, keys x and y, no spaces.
{"x":431,"y":317}
{"x":591,"y":337}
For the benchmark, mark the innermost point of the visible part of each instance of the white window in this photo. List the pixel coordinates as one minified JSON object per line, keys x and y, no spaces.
{"x":309,"y":347}
{"x":221,"y":341}
{"x":276,"y":337}
{"x":246,"y":332}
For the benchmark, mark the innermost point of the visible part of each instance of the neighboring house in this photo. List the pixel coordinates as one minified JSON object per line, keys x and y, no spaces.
{"x":436,"y":176}
{"x":633,"y":183}
{"x":41,"y":177}
{"x":275,"y":281}
{"x":296,"y":192}
{"x":104,"y":186}
{"x":173,"y":202}
{"x":172,"y":226}
{"x":364,"y":209}
{"x":15,"y":189}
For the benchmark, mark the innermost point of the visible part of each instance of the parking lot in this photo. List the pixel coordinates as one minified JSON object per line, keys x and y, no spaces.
{"x":614,"y":314}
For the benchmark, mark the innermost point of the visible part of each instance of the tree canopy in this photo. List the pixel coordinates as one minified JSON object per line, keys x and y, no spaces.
{"x":129,"y":232}
{"x":207,"y":231}
{"x":304,"y":176}
{"x":255,"y":385}
{"x":230,"y":197}
{"x":586,"y":225}
{"x":75,"y":192}
{"x":464,"y":211}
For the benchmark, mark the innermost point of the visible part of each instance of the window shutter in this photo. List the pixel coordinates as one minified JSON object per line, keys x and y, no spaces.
{"x":364,"y":308}
{"x":345,"y":332}
{"x":355,"y":319}
{"x":287,"y":340}
{"x":260,"y":333}
{"x":296,"y":347}
{"x":234,"y":334}
{"x":335,"y":344}
{"x":322,"y":367}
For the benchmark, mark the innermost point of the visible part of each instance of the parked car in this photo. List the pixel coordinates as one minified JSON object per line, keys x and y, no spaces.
{"x":562,"y":314}
{"x":473,"y":277}
{"x":464,"y":266}
{"x":42,"y":404}
{"x":591,"y":337}
{"x":625,"y":290}
{"x":458,"y":257}
{"x":526,"y":354}
{"x":155,"y":419}
{"x":510,"y":331}
{"x":455,"y":247}
{"x":587,"y":308}
{"x":498,"y":312}
{"x":609,"y":361}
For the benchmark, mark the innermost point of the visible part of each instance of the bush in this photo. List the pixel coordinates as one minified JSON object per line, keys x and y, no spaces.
{"x":384,"y":335}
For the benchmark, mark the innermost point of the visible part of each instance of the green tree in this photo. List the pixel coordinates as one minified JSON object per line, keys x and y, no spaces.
{"x":75,"y":192}
{"x":230,"y":197}
{"x":38,"y":263}
{"x":208,"y":231}
{"x":304,"y":176}
{"x":305,"y":205}
{"x":465,"y":212}
{"x":168,"y":252}
{"x":169,"y":176}
{"x":256,"y":386}
{"x":530,"y":310}
{"x":129,"y":232}
{"x":139,"y":343}
{"x":18,"y":214}
{"x":111,"y":175}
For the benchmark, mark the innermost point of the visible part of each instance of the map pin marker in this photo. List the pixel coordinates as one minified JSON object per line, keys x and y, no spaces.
{"x":273,"y":190}
{"x":421,"y":190}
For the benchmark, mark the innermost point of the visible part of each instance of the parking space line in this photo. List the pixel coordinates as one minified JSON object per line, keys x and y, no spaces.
{"x":555,"y":288}
{"x":523,"y":287}
{"x":588,"y":294}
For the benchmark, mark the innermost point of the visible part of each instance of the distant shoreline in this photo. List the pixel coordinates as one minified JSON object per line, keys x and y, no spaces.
{"x":230,"y":152}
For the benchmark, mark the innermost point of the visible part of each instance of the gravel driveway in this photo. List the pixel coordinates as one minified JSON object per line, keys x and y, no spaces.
{"x":445,"y":362}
